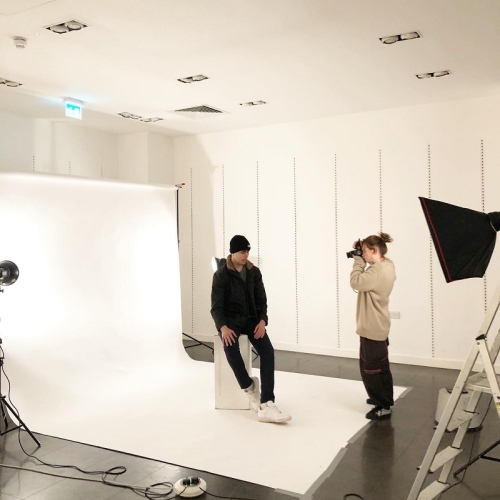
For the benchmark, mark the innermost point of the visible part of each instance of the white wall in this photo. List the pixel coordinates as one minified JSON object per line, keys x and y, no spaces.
{"x":16,"y":142}
{"x":133,"y":157}
{"x":302,"y":192}
{"x":42,"y":145}
{"x":84,"y":152}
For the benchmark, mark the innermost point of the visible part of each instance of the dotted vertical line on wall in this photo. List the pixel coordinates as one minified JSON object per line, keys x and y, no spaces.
{"x":380,"y":186}
{"x":483,"y":208}
{"x":101,"y":172}
{"x":33,"y":163}
{"x":336,"y":249}
{"x":258,"y":219}
{"x":296,"y":266}
{"x":69,"y":167}
{"x":430,"y":252}
{"x":223,"y":214}
{"x":192,"y":249}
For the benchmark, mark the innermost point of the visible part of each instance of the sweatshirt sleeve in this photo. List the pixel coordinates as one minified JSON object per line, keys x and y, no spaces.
{"x":363,"y":280}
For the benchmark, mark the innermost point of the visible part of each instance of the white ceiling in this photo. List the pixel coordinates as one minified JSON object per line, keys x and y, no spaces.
{"x":306,"y":58}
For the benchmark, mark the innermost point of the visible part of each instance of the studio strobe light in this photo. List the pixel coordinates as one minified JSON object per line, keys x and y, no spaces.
{"x":9,"y":273}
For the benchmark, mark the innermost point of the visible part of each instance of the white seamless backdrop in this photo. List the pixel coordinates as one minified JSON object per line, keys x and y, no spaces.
{"x":96,"y":310}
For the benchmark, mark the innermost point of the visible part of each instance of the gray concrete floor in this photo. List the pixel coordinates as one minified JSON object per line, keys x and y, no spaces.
{"x":380,"y":464}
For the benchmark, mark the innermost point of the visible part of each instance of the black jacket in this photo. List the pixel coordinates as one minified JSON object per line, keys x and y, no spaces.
{"x":232,"y":302}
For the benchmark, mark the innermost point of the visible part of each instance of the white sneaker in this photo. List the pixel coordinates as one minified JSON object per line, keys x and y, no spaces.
{"x":253,"y":394}
{"x":269,"y":412}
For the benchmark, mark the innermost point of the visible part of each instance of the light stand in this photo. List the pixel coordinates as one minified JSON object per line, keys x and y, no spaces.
{"x":477,"y":457}
{"x":5,"y":404}
{"x":9,"y":273}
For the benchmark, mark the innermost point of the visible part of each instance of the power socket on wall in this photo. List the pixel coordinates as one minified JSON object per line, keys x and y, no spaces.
{"x":395,"y":314}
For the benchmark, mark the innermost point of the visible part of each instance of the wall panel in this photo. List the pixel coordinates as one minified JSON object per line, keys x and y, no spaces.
{"x":323,"y":183}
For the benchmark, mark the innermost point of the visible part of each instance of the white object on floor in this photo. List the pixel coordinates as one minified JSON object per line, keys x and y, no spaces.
{"x":228,"y":394}
{"x":190,"y":487}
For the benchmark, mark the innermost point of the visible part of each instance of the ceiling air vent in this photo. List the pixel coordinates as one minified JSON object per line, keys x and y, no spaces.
{"x":201,"y":112}
{"x":199,"y":109}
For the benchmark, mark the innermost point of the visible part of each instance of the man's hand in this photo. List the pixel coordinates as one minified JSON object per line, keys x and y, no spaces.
{"x":260,"y":329}
{"x":229,"y":337}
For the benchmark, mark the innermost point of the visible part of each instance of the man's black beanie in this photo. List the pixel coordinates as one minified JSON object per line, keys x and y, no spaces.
{"x":238,"y":243}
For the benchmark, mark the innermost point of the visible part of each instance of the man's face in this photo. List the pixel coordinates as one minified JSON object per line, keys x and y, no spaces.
{"x":240,"y":258}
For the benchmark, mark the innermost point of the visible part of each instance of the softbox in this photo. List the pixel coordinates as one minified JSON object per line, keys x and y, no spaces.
{"x":464,"y":239}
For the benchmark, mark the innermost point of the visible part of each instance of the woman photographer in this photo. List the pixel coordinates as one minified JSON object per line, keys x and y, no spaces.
{"x":374,"y":284}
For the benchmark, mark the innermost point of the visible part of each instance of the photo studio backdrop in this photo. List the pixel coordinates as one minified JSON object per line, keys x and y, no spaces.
{"x":94,"y":317}
{"x":302,"y":193}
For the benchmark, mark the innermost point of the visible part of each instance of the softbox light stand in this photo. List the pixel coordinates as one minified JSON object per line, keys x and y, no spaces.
{"x":464,"y":241}
{"x":5,"y":426}
{"x":9,"y":273}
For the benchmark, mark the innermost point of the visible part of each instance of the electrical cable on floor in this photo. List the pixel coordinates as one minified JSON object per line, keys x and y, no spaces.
{"x":354,"y":495}
{"x":231,"y":498}
{"x":146,"y":491}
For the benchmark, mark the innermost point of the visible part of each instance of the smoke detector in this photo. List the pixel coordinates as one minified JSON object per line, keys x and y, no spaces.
{"x":20,"y":42}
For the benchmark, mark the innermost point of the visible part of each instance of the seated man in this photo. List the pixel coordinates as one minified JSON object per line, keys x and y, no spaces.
{"x":239,"y":306}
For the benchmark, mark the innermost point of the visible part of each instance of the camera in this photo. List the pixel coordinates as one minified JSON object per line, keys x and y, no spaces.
{"x":357,"y":251}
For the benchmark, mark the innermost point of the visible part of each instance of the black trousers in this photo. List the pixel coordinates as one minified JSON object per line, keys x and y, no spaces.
{"x":376,"y":372}
{"x":265,"y":350}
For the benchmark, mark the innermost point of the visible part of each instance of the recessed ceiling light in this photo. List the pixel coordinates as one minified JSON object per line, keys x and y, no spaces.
{"x":126,"y":114}
{"x":66,"y":27}
{"x":191,"y":79}
{"x":9,"y":83}
{"x":410,"y":36}
{"x":74,"y":25}
{"x":387,"y":40}
{"x":253,"y":103}
{"x":151,"y":120}
{"x":436,"y":74}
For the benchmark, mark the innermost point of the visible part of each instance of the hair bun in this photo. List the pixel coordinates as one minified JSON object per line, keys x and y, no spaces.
{"x":386,"y":238}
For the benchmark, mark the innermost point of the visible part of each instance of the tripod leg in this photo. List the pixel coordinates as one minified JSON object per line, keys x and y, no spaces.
{"x":3,"y":401}
{"x":476,"y":458}
{"x":3,"y":415}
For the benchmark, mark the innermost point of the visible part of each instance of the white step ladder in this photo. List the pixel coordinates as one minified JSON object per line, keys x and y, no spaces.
{"x":487,"y":381}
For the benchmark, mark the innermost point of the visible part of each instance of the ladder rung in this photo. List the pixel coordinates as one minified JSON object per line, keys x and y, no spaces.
{"x":443,"y":457}
{"x":432,"y":491}
{"x":479,"y":382}
{"x":459,"y":418}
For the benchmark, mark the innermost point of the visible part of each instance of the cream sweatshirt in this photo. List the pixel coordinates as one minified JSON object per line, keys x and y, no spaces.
{"x":374,"y":284}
